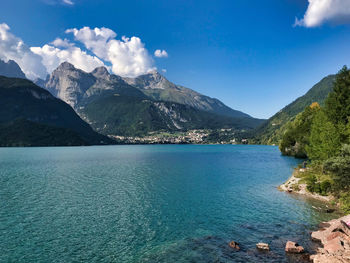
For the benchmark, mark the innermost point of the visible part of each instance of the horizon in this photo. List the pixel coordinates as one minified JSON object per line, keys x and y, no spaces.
{"x":227,"y":55}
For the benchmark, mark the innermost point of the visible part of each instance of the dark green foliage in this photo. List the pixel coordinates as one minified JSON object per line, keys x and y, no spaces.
{"x":296,"y":137}
{"x":21,"y":99}
{"x":21,"y":133}
{"x":324,"y":140}
{"x":271,"y":131}
{"x":322,"y":187}
{"x":345,"y":202}
{"x":338,"y":102}
{"x":339,"y":167}
{"x":132,"y":116}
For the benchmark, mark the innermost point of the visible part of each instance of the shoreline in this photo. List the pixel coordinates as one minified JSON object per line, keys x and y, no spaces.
{"x":293,"y":186}
{"x":333,"y":236}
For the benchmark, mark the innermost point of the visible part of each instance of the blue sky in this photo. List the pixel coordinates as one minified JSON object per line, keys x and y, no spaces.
{"x":249,"y":54}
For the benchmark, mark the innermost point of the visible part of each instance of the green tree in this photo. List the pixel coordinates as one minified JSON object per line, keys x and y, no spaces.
{"x":296,"y":137}
{"x":337,"y":106}
{"x":324,"y":141}
{"x":339,"y":167}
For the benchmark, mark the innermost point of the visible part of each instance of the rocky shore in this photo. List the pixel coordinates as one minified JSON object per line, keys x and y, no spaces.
{"x":333,"y":236}
{"x":293,"y":185}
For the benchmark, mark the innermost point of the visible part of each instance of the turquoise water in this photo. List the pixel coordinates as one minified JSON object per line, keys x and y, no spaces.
{"x":155,"y":203}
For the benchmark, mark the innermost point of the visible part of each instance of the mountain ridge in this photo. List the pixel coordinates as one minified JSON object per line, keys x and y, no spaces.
{"x":271,"y":131}
{"x":24,"y":103}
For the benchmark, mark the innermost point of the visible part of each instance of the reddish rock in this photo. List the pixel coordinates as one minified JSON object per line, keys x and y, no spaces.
{"x":292,"y":247}
{"x":335,"y":239}
{"x":334,"y":245}
{"x":334,"y":235}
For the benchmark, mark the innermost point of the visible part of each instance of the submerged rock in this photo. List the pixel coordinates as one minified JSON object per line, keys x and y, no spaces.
{"x":234,"y":245}
{"x":292,"y":247}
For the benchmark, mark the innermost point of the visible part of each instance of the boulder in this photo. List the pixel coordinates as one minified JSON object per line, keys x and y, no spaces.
{"x":292,"y":247}
{"x":263,"y":246}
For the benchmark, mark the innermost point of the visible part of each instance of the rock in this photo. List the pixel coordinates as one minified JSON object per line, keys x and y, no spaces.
{"x":335,"y":239}
{"x":330,"y":210}
{"x":334,"y":245}
{"x":263,"y":246}
{"x":292,"y":247}
{"x":234,"y":245}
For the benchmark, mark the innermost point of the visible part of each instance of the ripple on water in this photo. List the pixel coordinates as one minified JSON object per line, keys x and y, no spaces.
{"x":165,"y":203}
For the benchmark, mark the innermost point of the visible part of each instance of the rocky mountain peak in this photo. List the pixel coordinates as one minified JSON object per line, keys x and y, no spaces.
{"x":66,"y":66}
{"x":11,"y":69}
{"x":100,"y":72}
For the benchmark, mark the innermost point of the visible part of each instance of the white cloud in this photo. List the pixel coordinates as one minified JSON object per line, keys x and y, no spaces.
{"x":68,"y":2}
{"x":52,"y":57}
{"x":321,"y":11}
{"x":128,"y":56}
{"x":12,"y":47}
{"x":164,"y":70}
{"x":58,"y":2}
{"x":161,"y":53}
{"x":59,"y":42}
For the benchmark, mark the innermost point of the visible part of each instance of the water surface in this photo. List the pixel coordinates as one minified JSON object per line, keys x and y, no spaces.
{"x":150,"y":203}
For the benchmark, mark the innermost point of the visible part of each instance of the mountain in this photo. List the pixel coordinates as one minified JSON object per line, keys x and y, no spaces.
{"x":134,"y":116}
{"x":11,"y":69}
{"x":75,"y":86}
{"x":271,"y":131}
{"x":30,"y":115}
{"x":113,"y":105}
{"x":157,"y":87}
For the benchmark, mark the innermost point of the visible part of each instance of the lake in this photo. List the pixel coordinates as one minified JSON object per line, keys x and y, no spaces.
{"x":149,"y":203}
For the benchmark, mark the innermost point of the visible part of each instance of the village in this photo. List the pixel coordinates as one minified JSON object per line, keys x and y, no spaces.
{"x":198,"y":136}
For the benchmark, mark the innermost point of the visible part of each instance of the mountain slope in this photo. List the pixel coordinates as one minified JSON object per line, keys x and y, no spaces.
{"x":20,"y":99}
{"x":11,"y":69}
{"x":133,"y":116}
{"x":272,"y":130}
{"x":158,"y":87}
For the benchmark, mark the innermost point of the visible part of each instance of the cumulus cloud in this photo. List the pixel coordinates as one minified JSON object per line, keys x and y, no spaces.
{"x":128,"y":56}
{"x":59,"y":42}
{"x":52,"y":57}
{"x":12,"y":47}
{"x":161,"y":53}
{"x":321,"y":11}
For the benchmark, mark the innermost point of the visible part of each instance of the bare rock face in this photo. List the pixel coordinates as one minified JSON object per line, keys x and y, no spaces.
{"x":263,"y":246}
{"x":292,"y":247}
{"x":73,"y":85}
{"x":69,"y":84}
{"x":334,"y":236}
